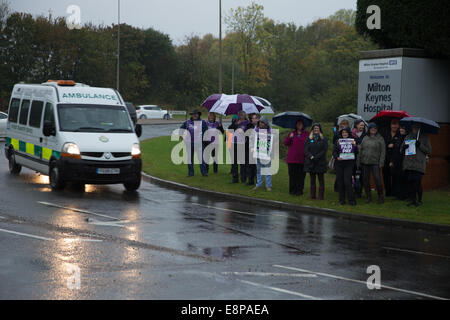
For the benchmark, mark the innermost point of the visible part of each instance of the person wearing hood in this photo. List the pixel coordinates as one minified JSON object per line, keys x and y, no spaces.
{"x":295,"y":160}
{"x":371,"y":158}
{"x":416,"y":147}
{"x":316,"y":159}
{"x":263,"y":166}
{"x":195,"y":127}
{"x":344,"y":151}
{"x":213,"y":125}
{"x":238,"y":148}
{"x":393,"y":164}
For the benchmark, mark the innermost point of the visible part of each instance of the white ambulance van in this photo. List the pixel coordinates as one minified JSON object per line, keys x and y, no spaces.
{"x":72,"y":133}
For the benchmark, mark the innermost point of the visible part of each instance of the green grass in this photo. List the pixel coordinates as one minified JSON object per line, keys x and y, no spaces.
{"x":156,"y":161}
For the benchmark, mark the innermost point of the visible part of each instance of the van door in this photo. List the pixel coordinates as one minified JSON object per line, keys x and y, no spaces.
{"x":35,"y":137}
{"x":50,"y":143}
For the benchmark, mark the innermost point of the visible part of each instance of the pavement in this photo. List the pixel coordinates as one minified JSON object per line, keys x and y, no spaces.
{"x":162,"y":243}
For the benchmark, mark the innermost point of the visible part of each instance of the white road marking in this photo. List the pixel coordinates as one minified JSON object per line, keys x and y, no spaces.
{"x":82,"y":240}
{"x":271,"y":274}
{"x":118,"y":224}
{"x":27,"y":235}
{"x":279,"y":290}
{"x":2,"y":217}
{"x":240,"y":212}
{"x":362,"y":282}
{"x":417,"y":252}
{"x":77,"y":210}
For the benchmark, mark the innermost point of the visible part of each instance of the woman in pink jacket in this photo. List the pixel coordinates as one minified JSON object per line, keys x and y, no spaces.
{"x":296,"y":158}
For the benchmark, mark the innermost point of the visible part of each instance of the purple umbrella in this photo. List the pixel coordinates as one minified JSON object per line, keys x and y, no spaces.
{"x":232,"y":104}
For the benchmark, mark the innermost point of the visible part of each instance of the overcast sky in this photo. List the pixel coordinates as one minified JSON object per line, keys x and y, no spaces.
{"x":179,"y":18}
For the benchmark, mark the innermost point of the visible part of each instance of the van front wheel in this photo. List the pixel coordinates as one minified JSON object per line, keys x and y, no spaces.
{"x":133,"y":185}
{"x":56,"y":181}
{"x":14,"y":168}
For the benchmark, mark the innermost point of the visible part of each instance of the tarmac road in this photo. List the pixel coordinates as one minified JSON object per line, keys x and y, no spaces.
{"x":158,"y":243}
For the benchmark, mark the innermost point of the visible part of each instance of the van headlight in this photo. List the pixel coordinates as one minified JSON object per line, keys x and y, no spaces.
{"x":71,"y":150}
{"x":136,"y":151}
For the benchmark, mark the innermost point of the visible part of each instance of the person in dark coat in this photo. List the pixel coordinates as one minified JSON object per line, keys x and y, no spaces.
{"x":295,"y":160}
{"x":392,"y":166}
{"x":415,"y":162}
{"x":251,"y":163}
{"x":238,"y":148}
{"x":316,"y":159}
{"x":403,"y":188}
{"x":344,"y":151}
{"x":213,"y":124}
{"x":196,"y":127}
{"x":358,"y":133}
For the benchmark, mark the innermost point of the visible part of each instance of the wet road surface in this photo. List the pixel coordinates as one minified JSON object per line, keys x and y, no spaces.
{"x":164,"y":244}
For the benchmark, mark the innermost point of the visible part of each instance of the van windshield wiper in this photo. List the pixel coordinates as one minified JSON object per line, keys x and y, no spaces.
{"x":81,"y":129}
{"x":119,"y":130}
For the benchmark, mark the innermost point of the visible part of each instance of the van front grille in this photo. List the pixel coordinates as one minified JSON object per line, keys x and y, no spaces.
{"x":92,"y":154}
{"x":121,"y":154}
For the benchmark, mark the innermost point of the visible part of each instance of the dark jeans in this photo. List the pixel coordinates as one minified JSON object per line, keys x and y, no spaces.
{"x":375,"y":170}
{"x":296,"y":178}
{"x":392,"y":179}
{"x":344,"y":172}
{"x":251,"y":173}
{"x":238,"y":163}
{"x":191,"y":155}
{"x":415,"y":185}
{"x":215,"y":165}
{"x":320,"y":177}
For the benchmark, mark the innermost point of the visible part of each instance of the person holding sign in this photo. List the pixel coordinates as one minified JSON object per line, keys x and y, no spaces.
{"x":262,"y":150}
{"x":316,"y":159}
{"x":416,"y":147}
{"x":344,"y":151}
{"x":371,"y":159}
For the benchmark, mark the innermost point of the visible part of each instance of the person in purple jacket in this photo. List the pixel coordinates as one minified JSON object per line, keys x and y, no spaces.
{"x":213,"y":124}
{"x":344,"y":151}
{"x":296,"y":158}
{"x":316,"y":159}
{"x":238,"y":148}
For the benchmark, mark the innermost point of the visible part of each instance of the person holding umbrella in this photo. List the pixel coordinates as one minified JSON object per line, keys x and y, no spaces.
{"x":213,"y":125}
{"x":195,"y":127}
{"x":238,"y":148}
{"x":417,"y":147}
{"x":295,"y":160}
{"x":344,"y":151}
{"x":392,"y":165}
{"x":403,"y":190}
{"x":316,"y":159}
{"x":371,"y":159}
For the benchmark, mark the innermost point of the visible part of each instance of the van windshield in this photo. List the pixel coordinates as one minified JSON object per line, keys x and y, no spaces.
{"x":93,"y":118}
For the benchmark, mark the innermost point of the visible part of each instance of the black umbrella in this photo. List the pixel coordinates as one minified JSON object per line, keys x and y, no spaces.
{"x":289,"y":119}
{"x":427,"y":126}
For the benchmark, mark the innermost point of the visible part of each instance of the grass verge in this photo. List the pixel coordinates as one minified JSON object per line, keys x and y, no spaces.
{"x":156,"y":162}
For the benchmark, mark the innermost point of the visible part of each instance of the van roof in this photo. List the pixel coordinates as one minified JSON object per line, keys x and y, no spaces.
{"x":78,"y":93}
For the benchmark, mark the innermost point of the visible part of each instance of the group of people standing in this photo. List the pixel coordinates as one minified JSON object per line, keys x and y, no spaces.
{"x":358,"y":154}
{"x":243,"y":168}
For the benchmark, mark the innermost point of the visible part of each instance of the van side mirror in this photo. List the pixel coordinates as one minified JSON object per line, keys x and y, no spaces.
{"x":138,"y":130}
{"x":49,"y":128}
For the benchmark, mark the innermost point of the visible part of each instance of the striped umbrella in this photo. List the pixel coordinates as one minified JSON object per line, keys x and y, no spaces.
{"x":231,"y":104}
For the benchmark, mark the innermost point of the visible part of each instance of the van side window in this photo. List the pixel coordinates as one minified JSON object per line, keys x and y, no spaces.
{"x":36,"y":114}
{"x":49,"y":115}
{"x":23,"y":117}
{"x":13,"y":110}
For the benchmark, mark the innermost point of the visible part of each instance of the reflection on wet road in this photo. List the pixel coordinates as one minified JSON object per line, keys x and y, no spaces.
{"x":165,"y":244}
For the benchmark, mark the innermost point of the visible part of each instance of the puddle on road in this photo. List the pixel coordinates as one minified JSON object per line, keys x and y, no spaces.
{"x":224,"y":252}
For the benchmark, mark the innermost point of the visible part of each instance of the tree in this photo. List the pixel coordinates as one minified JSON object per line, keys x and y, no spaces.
{"x":347,"y":16}
{"x":409,"y":23}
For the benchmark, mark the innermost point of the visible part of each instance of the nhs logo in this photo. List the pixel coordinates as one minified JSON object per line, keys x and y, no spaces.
{"x":392,"y":62}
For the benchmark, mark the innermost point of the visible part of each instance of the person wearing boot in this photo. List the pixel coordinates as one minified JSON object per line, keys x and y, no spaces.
{"x":316,"y":159}
{"x":371,"y":158}
{"x":344,"y":151}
